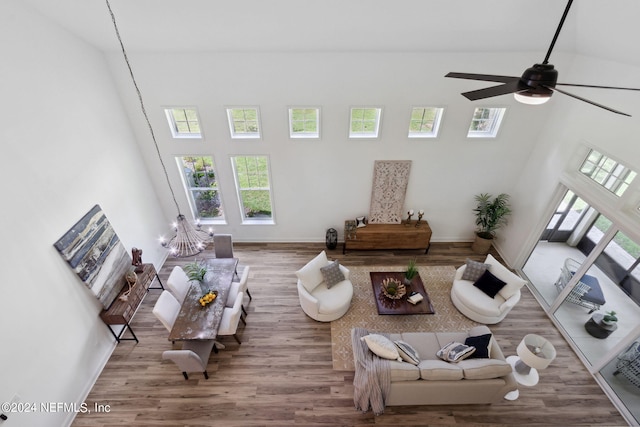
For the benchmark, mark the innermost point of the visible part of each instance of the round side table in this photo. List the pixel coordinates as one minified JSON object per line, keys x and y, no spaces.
{"x":597,"y":328}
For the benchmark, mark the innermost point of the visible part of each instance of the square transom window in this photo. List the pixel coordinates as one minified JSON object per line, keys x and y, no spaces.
{"x":304,"y":122}
{"x":607,"y":172}
{"x":244,"y":122}
{"x":183,"y":122}
{"x":424,"y":122}
{"x":485,"y":122}
{"x":365,"y":122}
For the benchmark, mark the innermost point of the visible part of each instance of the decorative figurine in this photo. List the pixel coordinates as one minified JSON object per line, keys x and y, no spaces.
{"x":131,"y":277}
{"x":420,"y":215}
{"x":136,"y":259}
{"x":409,"y":215}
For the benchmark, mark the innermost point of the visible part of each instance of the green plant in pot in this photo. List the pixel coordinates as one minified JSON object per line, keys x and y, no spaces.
{"x":610,"y":318}
{"x":491,"y":214}
{"x":411,"y":272}
{"x":196,"y":270}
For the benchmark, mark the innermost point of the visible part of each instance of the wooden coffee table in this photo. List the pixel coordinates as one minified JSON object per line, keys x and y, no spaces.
{"x":400,"y":306}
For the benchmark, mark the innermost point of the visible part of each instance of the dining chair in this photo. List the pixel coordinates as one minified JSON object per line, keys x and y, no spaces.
{"x":223,"y":246}
{"x":178,"y":283}
{"x":194,"y":357}
{"x":231,"y":318}
{"x":166,"y":309}
{"x":237,"y":287}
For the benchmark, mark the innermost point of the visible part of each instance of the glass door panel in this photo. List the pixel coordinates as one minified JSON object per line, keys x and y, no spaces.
{"x":622,"y":375}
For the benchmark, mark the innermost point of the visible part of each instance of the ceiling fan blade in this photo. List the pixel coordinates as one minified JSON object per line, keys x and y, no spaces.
{"x":598,"y":87}
{"x":503,"y":89}
{"x":482,"y":77}
{"x":588,"y":101}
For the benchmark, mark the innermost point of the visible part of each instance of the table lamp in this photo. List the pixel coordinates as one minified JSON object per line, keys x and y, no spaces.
{"x":534,"y":353}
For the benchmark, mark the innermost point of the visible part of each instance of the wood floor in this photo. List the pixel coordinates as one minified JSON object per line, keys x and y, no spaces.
{"x":282,"y":374}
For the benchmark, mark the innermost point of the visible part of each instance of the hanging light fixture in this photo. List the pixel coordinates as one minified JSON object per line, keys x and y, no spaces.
{"x":188,"y":239}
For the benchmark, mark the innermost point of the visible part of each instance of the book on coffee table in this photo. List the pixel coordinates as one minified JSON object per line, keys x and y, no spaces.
{"x":415,"y":297}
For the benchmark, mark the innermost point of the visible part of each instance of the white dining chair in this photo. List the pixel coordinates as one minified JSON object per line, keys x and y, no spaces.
{"x":166,"y":309}
{"x":237,"y":287}
{"x":231,"y":318}
{"x":178,"y":283}
{"x":194,"y":357}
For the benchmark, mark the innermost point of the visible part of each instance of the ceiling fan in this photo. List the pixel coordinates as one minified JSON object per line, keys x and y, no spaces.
{"x":536,"y":85}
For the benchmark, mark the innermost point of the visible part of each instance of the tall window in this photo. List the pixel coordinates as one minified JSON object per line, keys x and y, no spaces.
{"x":365,"y":122}
{"x":201,"y":186}
{"x":183,"y":122}
{"x":485,"y":122}
{"x":304,"y":122}
{"x":607,"y":172}
{"x":254,"y":189}
{"x":244,"y":122}
{"x":424,"y":122}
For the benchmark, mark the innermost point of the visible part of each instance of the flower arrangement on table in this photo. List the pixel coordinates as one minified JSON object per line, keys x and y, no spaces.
{"x":207,"y":298}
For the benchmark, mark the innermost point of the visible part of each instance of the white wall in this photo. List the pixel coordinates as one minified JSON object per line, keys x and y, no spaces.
{"x":66,"y":145}
{"x":319,"y":184}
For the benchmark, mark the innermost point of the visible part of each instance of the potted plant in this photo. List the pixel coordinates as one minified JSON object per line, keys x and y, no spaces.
{"x":609,"y":318}
{"x":411,"y":272}
{"x":491,"y":214}
{"x":196,"y":270}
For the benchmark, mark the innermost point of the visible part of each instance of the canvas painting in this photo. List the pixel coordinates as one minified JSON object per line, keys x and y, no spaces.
{"x":390,"y":180}
{"x":94,"y":252}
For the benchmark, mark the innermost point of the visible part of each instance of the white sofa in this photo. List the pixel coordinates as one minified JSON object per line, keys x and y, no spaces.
{"x":319,"y":301}
{"x":477,"y":305}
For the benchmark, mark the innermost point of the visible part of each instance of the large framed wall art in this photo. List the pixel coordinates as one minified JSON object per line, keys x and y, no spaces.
{"x":94,"y":252}
{"x":390,"y":180}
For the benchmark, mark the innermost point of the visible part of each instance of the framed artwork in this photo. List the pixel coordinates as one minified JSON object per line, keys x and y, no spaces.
{"x":390,"y":180}
{"x":94,"y":252}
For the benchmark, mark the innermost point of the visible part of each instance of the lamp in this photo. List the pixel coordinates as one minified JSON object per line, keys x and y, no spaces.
{"x":188,"y":239}
{"x":529,"y":98}
{"x":534,"y":353}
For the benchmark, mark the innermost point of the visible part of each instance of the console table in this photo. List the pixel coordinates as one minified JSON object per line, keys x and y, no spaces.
{"x":389,"y":236}
{"x":121,"y":312}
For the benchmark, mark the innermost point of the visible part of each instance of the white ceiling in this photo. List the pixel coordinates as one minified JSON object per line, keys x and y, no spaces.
{"x":594,"y":27}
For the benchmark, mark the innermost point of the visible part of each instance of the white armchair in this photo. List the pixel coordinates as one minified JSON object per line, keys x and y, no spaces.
{"x":477,"y":305}
{"x":193,"y":357}
{"x":319,"y":300}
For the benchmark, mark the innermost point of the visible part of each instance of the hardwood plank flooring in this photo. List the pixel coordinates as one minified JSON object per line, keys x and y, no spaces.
{"x":282,"y":373}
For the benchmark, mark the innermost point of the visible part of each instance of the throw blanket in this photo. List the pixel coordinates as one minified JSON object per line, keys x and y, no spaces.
{"x":372,"y":379}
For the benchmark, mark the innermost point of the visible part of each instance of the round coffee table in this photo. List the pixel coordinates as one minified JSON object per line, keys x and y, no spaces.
{"x":597,"y":328}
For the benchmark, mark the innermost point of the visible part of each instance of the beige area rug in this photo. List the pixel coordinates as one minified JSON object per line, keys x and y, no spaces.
{"x":363,"y":313}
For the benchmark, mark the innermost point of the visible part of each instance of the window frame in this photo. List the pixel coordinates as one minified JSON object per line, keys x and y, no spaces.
{"x":249,"y":220}
{"x":173,"y":126}
{"x":231,"y":121}
{"x":495,"y":126}
{"x":362,"y":135}
{"x":189,"y":190}
{"x":304,"y":135}
{"x":435,"y":126}
{"x":612,"y":187}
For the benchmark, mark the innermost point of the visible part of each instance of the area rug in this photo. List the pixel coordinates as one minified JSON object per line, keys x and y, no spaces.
{"x":363,"y":313}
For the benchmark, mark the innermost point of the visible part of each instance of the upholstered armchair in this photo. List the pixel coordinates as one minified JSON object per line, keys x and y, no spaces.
{"x":193,"y":357}
{"x":475,"y":303}
{"x":321,"y":299}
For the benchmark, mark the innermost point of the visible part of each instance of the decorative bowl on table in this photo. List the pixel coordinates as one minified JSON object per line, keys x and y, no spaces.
{"x":208,"y":298}
{"x":393,"y":288}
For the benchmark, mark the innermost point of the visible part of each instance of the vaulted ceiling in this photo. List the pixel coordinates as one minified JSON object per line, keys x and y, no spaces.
{"x":594,"y":27}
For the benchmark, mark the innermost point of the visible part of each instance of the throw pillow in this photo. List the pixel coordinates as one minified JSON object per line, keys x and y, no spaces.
{"x":481,"y":343}
{"x":360,"y":222}
{"x":310,"y":275}
{"x":455,"y":352}
{"x":332,"y":274}
{"x":407,"y":353}
{"x":489,"y":284}
{"x":382,"y":346}
{"x":474,"y":270}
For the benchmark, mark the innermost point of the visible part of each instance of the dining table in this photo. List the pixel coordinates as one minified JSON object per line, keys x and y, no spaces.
{"x":198,"y":322}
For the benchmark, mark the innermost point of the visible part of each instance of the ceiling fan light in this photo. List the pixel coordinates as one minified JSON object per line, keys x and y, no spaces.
{"x":531,"y":98}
